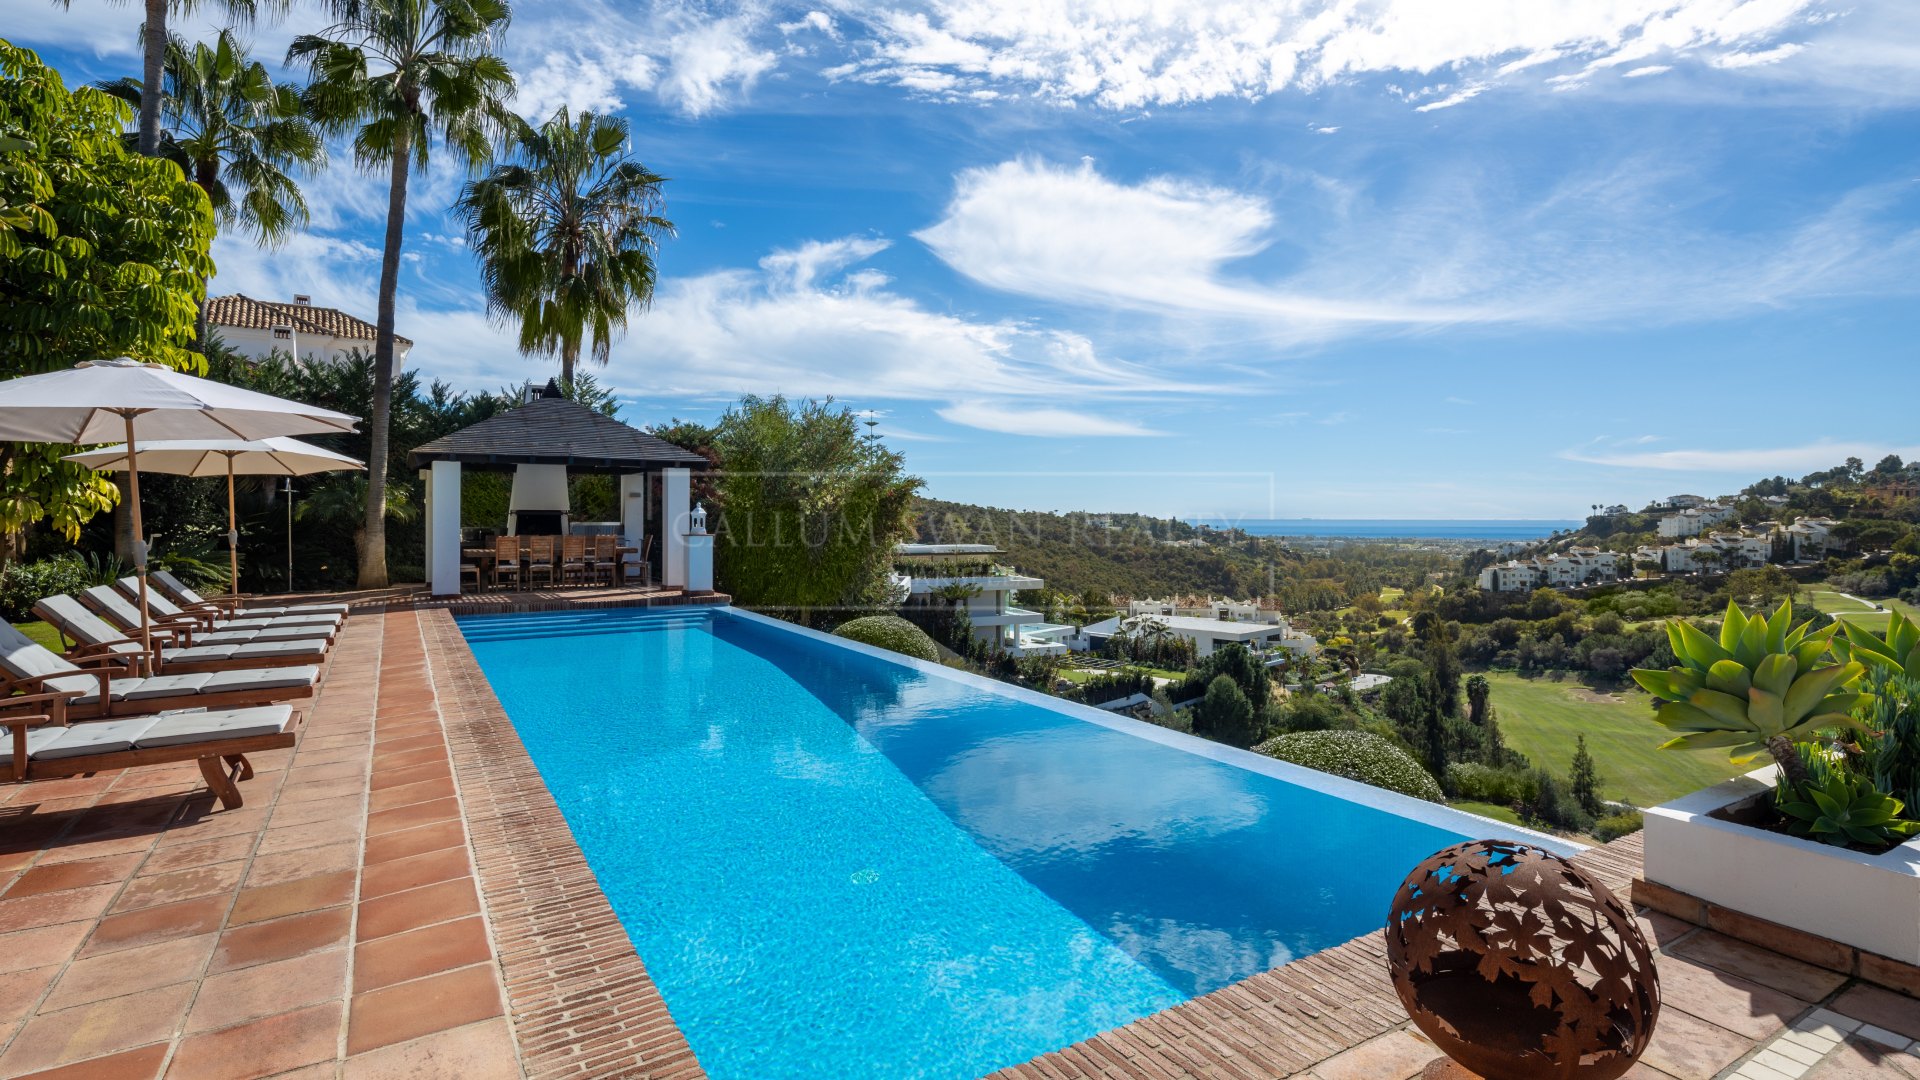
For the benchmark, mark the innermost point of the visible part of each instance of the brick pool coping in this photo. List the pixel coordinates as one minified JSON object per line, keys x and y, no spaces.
{"x":401,"y":897}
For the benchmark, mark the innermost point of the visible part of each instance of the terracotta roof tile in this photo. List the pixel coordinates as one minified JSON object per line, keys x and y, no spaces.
{"x":244,"y":312}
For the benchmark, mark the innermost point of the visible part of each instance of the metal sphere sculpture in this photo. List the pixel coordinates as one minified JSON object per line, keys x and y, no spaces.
{"x":1519,"y":966}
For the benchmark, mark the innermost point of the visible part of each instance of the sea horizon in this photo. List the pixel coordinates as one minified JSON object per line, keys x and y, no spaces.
{"x":1395,"y":528}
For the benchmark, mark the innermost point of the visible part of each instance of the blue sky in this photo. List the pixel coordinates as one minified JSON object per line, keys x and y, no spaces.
{"x":1504,"y":258}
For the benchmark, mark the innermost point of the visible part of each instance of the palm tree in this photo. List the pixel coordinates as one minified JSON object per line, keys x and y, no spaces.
{"x":400,"y":73}
{"x":237,"y":134}
{"x":565,"y":234}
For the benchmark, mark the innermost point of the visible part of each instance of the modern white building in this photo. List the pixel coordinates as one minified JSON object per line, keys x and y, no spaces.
{"x":1731,"y":551}
{"x":1224,"y":609}
{"x":932,"y":570}
{"x":1561,"y":570}
{"x":1274,"y":641}
{"x":1812,"y":538}
{"x":1694,"y":520}
{"x":256,"y":328}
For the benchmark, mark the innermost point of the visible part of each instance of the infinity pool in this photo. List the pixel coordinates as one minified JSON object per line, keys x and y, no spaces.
{"x":837,"y":864}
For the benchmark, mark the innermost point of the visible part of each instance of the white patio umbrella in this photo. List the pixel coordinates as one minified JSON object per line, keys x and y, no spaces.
{"x":98,"y":401}
{"x":221,"y":457}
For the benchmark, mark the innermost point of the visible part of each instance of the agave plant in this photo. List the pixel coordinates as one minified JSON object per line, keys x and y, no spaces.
{"x":1759,"y":689}
{"x":1898,"y":651}
{"x":1846,"y":809}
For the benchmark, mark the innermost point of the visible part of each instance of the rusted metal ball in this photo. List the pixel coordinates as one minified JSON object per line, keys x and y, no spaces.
{"x":1520,"y":966}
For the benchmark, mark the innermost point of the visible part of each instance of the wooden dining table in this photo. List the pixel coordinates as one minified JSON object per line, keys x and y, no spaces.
{"x":485,"y":557}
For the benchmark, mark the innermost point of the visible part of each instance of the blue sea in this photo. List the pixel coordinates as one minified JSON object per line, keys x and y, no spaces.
{"x":837,"y":866}
{"x":1391,"y":528}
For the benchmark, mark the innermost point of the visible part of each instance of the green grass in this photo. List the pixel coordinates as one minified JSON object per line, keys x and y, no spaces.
{"x":1832,"y":603}
{"x":43,"y":633}
{"x":1080,"y":675}
{"x":1487,"y":809}
{"x":1540,"y":717}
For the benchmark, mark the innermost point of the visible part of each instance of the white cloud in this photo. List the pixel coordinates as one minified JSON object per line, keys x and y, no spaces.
{"x":709,"y":61}
{"x":1041,"y":421}
{"x":1595,"y":247}
{"x":1122,"y":54}
{"x":1756,"y":59}
{"x":1458,"y":97}
{"x":1789,"y":460}
{"x":1643,"y":72}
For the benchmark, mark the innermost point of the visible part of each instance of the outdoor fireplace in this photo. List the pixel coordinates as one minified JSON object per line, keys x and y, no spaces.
{"x":538,"y":522}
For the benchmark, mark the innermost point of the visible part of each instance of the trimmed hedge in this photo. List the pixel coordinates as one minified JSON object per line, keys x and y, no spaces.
{"x":1356,"y":755}
{"x":890,"y":632}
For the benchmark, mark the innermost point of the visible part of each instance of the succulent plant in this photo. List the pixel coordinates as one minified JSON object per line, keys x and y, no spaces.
{"x":1759,"y":689}
{"x":1846,"y":809}
{"x":1898,"y":650}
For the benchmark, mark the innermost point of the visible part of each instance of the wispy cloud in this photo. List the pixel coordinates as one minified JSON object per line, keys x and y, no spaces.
{"x":1041,"y":421}
{"x":1791,"y":460}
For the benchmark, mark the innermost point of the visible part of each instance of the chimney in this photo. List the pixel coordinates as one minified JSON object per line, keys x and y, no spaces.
{"x":303,"y":299}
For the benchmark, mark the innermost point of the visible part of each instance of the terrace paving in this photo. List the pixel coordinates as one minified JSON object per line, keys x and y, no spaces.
{"x":400,"y":897}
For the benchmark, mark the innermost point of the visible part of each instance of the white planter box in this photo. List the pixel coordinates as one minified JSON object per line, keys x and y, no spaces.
{"x":1871,"y":902}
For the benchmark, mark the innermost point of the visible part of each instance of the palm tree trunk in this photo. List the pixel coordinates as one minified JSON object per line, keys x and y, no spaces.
{"x":373,"y":553}
{"x":151,"y":78}
{"x":1787,"y":756}
{"x":205,"y":174}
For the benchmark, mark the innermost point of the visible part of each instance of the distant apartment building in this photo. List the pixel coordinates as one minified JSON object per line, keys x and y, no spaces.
{"x":933,"y":571}
{"x":258,"y":328}
{"x":1683,"y":502}
{"x":1728,"y":551}
{"x":1261,"y":629}
{"x":1562,"y":570}
{"x":1693,"y":520}
{"x":1812,"y":538}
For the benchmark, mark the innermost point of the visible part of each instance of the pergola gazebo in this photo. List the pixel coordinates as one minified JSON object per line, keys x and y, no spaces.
{"x":541,"y":442}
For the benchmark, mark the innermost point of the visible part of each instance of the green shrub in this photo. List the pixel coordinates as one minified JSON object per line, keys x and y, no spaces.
{"x":890,"y":632}
{"x":1484,"y":783}
{"x":24,"y":584}
{"x":1615,"y":826}
{"x":1356,"y":755}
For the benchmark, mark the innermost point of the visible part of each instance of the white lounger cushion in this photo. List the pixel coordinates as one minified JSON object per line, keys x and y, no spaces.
{"x":247,"y":620}
{"x":149,"y":732}
{"x":134,"y":688}
{"x":265,"y":633}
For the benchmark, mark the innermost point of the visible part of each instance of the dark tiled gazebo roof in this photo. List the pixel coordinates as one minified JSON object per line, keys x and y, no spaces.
{"x":556,"y":431}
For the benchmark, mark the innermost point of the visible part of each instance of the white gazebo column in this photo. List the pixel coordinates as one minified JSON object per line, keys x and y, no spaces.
{"x":676,"y":487}
{"x":633,"y":514}
{"x":443,"y":529}
{"x":426,"y":552}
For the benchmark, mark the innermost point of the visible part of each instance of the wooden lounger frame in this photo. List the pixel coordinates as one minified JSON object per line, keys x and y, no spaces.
{"x":108,"y":708}
{"x":223,"y":762}
{"x":83,"y":652}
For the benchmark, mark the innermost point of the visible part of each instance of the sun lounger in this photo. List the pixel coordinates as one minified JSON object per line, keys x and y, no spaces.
{"x":177,"y":591}
{"x":94,"y":636}
{"x":245,"y":620}
{"x":100,"y":685}
{"x":43,"y":746}
{"x":123,"y":613}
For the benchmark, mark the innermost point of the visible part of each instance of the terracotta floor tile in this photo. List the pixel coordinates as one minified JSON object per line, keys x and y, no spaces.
{"x":186,"y":856}
{"x":174,"y":886}
{"x":1883,"y":1008}
{"x":1770,"y":969}
{"x":400,"y":875}
{"x":141,"y":1064}
{"x":289,"y":814}
{"x":1731,"y":1002}
{"x":264,"y":989}
{"x":1859,"y":1060}
{"x":292,"y":897}
{"x":409,"y":794}
{"x":399,"y":912}
{"x":292,"y":865}
{"x":261,"y":1047}
{"x":311,"y":834}
{"x":413,"y":774}
{"x":200,"y":822}
{"x":48,"y":909}
{"x":72,"y":875}
{"x":406,"y":817}
{"x":261,"y":943}
{"x":423,"y":750}
{"x":100,"y":847}
{"x":1688,"y":1048}
{"x":322,"y":791}
{"x":395,"y":959}
{"x":41,"y":945}
{"x":483,"y":1051}
{"x":350,"y":769}
{"x":422,"y":1007}
{"x":91,"y":1031}
{"x":19,"y":990}
{"x":130,"y":971}
{"x":188,"y":918}
{"x":416,"y":841}
{"x":1393,"y":1056}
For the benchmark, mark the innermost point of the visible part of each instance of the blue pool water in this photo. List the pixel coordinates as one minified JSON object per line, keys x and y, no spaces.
{"x":836,"y":865}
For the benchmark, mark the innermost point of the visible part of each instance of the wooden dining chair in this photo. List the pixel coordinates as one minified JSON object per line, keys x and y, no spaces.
{"x":604,"y":562}
{"x":539,"y":559}
{"x":506,"y":560}
{"x":573,"y":560}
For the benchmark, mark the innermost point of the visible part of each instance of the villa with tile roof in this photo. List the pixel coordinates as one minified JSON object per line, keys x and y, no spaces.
{"x":256,"y":328}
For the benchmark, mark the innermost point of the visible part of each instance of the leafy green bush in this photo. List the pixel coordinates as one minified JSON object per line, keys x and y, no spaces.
{"x":890,"y":632}
{"x":1484,"y":783}
{"x":1356,"y":755}
{"x":1113,"y":685}
{"x":24,"y":584}
{"x":1615,"y":826}
{"x":1225,"y":715}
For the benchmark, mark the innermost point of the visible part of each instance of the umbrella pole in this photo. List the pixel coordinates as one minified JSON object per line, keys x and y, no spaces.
{"x":139,"y":549}
{"x":233,"y":534}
